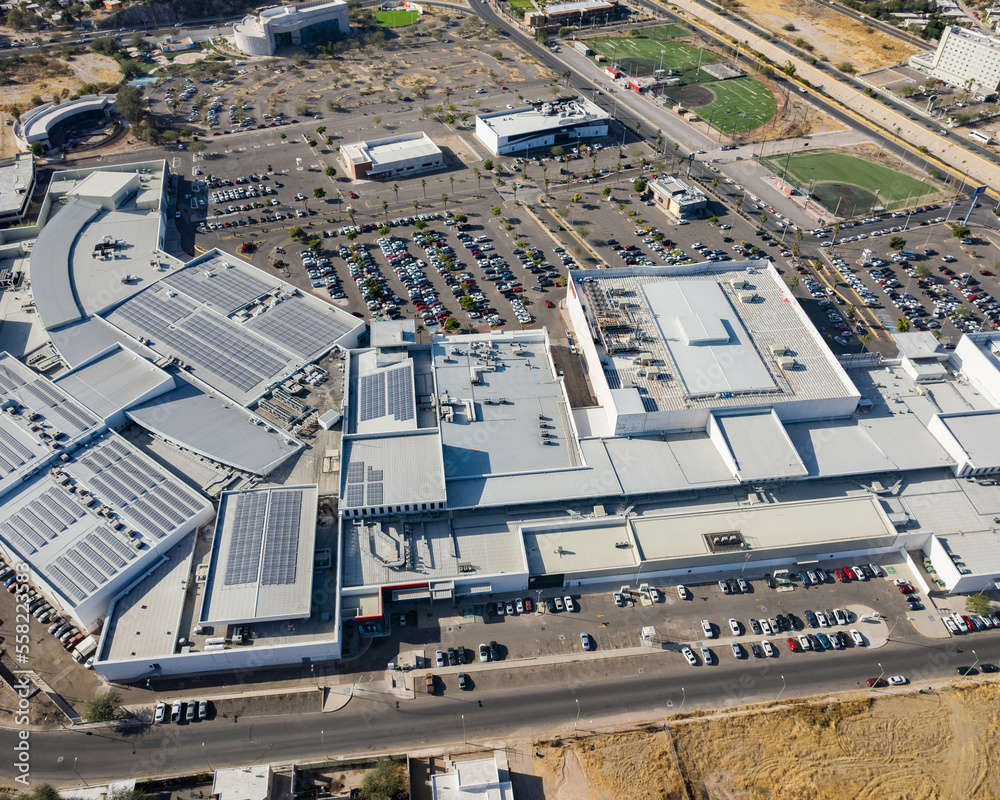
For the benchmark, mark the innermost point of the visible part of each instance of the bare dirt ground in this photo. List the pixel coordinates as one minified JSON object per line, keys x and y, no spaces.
{"x":833,"y":35}
{"x":55,"y":77}
{"x":928,"y":745}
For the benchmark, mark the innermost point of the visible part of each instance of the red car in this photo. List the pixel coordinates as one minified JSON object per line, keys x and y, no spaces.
{"x":905,"y":588}
{"x":967,"y":620}
{"x":549,"y":304}
{"x":986,"y":272}
{"x":793,"y":645}
{"x":352,"y":195}
{"x":877,"y":683}
{"x":850,"y":574}
{"x":840,"y":575}
{"x":528,"y":605}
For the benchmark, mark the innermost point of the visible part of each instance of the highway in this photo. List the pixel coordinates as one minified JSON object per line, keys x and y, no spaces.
{"x":617,"y":691}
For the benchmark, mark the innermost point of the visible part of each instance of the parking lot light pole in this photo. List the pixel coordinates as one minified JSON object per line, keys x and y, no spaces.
{"x":78,"y":772}
{"x":872,"y":689}
{"x":684,"y":698}
{"x":974,"y":662}
{"x":465,"y":738}
{"x":577,"y":714}
{"x":776,"y":699}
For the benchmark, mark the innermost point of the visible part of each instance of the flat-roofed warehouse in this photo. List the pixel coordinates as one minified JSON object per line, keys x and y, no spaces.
{"x":407,"y":154}
{"x":541,"y":125}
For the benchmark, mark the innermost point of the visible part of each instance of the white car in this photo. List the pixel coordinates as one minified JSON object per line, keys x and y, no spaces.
{"x":440,"y":660}
{"x":734,"y":626}
{"x":840,"y":616}
{"x":768,"y":648}
{"x":706,"y":626}
{"x":898,"y":680}
{"x":706,"y":655}
{"x":585,"y":641}
{"x":738,"y":651}
{"x":161,"y":712}
{"x":822,"y":620}
{"x":484,"y":653}
{"x":804,"y":642}
{"x":859,"y":640}
{"x":569,"y":603}
{"x":949,"y":623}
{"x":861,"y":575}
{"x":766,"y":627}
{"x":654,"y":595}
{"x":619,"y":600}
{"x":689,"y":655}
{"x":682,"y":591}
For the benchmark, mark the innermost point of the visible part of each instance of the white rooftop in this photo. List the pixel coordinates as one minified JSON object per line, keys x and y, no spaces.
{"x":391,"y":149}
{"x":114,"y":380}
{"x":543,"y":116}
{"x":262,"y":556}
{"x":243,"y":783}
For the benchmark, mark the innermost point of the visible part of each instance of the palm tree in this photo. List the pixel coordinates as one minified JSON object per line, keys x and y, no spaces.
{"x":739,"y":203}
{"x":479,"y":177}
{"x":416,"y":204}
{"x":395,"y":188}
{"x":423,"y":185}
{"x":385,"y":210}
{"x":444,"y":199}
{"x":451,"y":181}
{"x":566,"y":75}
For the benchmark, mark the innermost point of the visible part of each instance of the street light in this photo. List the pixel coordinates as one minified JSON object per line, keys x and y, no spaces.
{"x":577,"y":714}
{"x":78,"y":772}
{"x":464,"y":737}
{"x":684,"y":698}
{"x":322,"y":738}
{"x":782,"y":689}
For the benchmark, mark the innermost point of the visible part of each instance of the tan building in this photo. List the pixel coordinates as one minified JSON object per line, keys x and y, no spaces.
{"x":679,"y":199}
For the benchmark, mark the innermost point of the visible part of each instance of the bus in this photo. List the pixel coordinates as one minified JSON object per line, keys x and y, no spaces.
{"x":982,"y":138}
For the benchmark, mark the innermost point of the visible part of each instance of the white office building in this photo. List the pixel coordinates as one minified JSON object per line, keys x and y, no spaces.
{"x":539,"y":125}
{"x":378,"y":159}
{"x":261,"y":34}
{"x":964,"y":58}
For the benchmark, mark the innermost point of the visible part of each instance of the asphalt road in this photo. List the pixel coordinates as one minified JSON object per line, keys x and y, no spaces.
{"x":627,"y":689}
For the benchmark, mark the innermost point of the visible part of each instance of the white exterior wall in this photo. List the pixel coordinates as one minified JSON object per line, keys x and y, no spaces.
{"x":978,"y":366}
{"x":248,"y":657}
{"x":962,"y":57}
{"x":944,"y":437}
{"x":255,"y":35}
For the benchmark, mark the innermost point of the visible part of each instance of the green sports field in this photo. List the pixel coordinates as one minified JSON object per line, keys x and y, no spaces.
{"x":523,"y":5}
{"x":734,"y":106}
{"x":396,"y":18}
{"x":852,"y":183}
{"x":641,"y":55}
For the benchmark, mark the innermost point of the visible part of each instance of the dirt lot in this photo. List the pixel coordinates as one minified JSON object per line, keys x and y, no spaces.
{"x":833,"y":35}
{"x":45,"y":77}
{"x":940,"y":744}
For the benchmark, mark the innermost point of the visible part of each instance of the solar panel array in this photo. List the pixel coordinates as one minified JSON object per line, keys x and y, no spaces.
{"x":65,"y":414}
{"x":361,"y":483}
{"x":281,"y":539}
{"x":9,"y":380}
{"x":385,"y":392}
{"x":144,"y":495}
{"x":399,"y":392}
{"x":13,"y":454}
{"x":301,"y":327}
{"x":229,"y":355}
{"x":243,"y":560}
{"x":371,"y":396}
{"x":228,"y":289}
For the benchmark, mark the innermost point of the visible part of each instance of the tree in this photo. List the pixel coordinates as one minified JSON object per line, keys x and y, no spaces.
{"x":488,"y":165}
{"x":420,"y":224}
{"x":374,"y":287}
{"x":319,"y":193}
{"x":557,"y":150}
{"x":639,"y":186}
{"x":315,"y":245}
{"x":495,"y":211}
{"x":960,"y":231}
{"x":897,"y":243}
{"x":444,"y":199}
{"x":978,"y":604}
{"x":395,"y":189}
{"x":467,"y":303}
{"x":923,"y":272}
{"x":479,"y":176}
{"x":739,"y":203}
{"x":576,"y":198}
{"x":763,"y":219}
{"x":37,"y":148}
{"x":902,"y":324}
{"x":423,"y":186}
{"x":295,"y":231}
{"x":43,"y":791}
{"x":451,"y":324}
{"x":789,"y":69}
{"x":330,"y":172}
{"x":131,"y":105}
{"x":102,"y":707}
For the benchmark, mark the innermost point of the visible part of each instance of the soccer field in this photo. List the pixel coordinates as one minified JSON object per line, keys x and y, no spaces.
{"x":734,"y":106}
{"x":396,"y":18}
{"x":642,"y":56}
{"x":852,"y":183}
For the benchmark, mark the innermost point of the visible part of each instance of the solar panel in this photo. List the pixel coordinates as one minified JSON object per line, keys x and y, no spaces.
{"x":96,"y":559}
{"x":90,"y":570}
{"x":115,"y":543}
{"x":15,"y":446}
{"x":355,"y":495}
{"x":228,"y":289}
{"x":281,"y":538}
{"x":371,"y":397}
{"x":300,"y":327}
{"x":153,"y":519}
{"x":60,"y":505}
{"x":243,"y":559}
{"x":356,"y":472}
{"x":64,"y":584}
{"x":16,"y":540}
{"x":107,"y":553}
{"x":399,"y":393}
{"x":81,"y":580}
{"x":9,"y":381}
{"x":28,"y":533}
{"x":163,"y":508}
{"x":375,"y":494}
{"x":375,"y":474}
{"x":39,"y":525}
